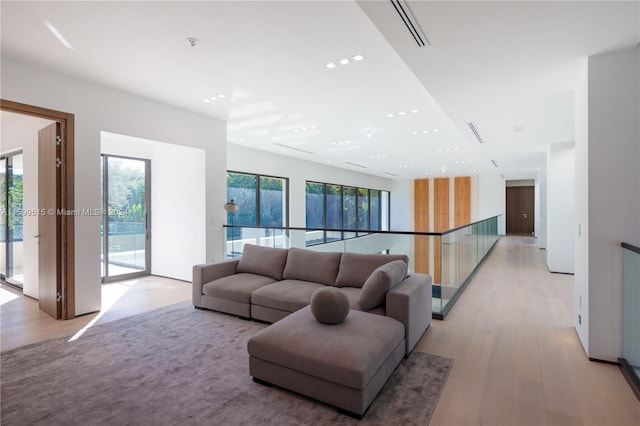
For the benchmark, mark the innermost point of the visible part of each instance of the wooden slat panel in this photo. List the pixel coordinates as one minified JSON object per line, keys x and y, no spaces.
{"x":441,"y":204}
{"x":462,"y":188}
{"x":421,"y":205}
{"x":421,"y":224}
{"x":441,"y":221}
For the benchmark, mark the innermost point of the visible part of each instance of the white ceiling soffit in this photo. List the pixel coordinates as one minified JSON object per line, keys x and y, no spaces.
{"x":508,"y":67}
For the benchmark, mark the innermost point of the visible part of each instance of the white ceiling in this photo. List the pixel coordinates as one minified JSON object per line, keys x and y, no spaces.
{"x":497,"y":64}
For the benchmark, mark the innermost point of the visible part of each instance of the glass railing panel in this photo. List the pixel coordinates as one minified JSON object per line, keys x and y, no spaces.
{"x":631,"y":309}
{"x":449,"y":257}
{"x":237,"y":237}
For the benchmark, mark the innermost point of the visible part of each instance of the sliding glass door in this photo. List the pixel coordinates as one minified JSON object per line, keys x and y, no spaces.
{"x":11,"y":237}
{"x":126,"y":227}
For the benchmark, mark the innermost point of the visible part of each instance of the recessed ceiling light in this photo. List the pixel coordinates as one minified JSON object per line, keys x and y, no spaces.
{"x":413,"y":111}
{"x":304,"y":129}
{"x":390,"y":115}
{"x":414,"y":133}
{"x":330,"y":65}
{"x":206,"y":100}
{"x":440,"y":150}
{"x":328,"y":161}
{"x":221,"y":96}
{"x":455,"y":149}
{"x":214,"y":98}
{"x":312,"y":127}
{"x":241,"y":140}
{"x":436,"y":130}
{"x":344,"y":61}
{"x":357,"y":58}
{"x":368,"y":134}
{"x":401,"y":113}
{"x":425,"y":131}
{"x":296,"y":130}
{"x":448,"y":149}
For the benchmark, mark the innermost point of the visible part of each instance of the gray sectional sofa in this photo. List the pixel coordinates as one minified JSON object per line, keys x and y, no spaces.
{"x":268,"y":284}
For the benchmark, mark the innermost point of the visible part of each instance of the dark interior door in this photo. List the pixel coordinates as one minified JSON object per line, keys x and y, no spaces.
{"x":49,"y":225}
{"x":520,"y":210}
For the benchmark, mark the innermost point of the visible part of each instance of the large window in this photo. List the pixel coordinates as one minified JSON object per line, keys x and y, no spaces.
{"x":262,"y":200}
{"x":344,"y":207}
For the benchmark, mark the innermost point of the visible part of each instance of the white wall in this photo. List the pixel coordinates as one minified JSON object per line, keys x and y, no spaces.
{"x":177,"y":202}
{"x":560,"y":207}
{"x":20,"y":132}
{"x":614,"y":188}
{"x":581,"y":229}
{"x":492,"y":199}
{"x":541,"y":207}
{"x":243,"y":159}
{"x":402,"y":205}
{"x":97,"y":109}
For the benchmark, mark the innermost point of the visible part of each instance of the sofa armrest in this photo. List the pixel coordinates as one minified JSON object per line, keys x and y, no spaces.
{"x":208,"y":272}
{"x":410,"y":303}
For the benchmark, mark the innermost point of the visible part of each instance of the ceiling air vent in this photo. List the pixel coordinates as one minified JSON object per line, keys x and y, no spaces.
{"x":295,"y":149}
{"x":410,"y":22}
{"x":494,"y":163}
{"x":390,"y":174}
{"x":355,"y":164}
{"x":474,"y":129}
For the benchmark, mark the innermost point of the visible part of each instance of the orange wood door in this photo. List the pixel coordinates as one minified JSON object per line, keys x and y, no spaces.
{"x":49,"y":270}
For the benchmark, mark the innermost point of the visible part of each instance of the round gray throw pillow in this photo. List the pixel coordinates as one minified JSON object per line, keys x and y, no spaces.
{"x":329,"y":305}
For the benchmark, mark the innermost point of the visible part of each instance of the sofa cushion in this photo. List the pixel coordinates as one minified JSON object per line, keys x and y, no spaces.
{"x":382,"y":280}
{"x":349,"y":353}
{"x":287,"y":295}
{"x":329,"y":305}
{"x":355,"y":268}
{"x":353,"y":294}
{"x":237,"y":287}
{"x":313,"y":266}
{"x":267,"y":261}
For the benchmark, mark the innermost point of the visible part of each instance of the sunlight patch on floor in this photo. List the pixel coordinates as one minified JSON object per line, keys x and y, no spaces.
{"x":6,"y":296}
{"x":111,"y":293}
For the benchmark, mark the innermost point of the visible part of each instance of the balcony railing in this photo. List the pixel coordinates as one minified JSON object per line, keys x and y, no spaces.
{"x":630,"y":359}
{"x":451,"y":257}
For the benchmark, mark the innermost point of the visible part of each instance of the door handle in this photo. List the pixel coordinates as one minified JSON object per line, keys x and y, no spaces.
{"x":524,"y":215}
{"x":36,"y":236}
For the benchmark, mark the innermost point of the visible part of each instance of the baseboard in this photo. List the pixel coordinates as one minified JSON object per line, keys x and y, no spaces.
{"x":630,"y":375}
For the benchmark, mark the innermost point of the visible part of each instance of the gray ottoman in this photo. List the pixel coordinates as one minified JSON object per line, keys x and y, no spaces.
{"x":344,"y":365}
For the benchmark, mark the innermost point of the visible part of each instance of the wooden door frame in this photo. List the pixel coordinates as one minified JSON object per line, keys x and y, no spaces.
{"x":67,"y":241}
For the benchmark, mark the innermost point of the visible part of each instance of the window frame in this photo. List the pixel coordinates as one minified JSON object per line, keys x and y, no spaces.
{"x":257,"y":198}
{"x":357,"y":188}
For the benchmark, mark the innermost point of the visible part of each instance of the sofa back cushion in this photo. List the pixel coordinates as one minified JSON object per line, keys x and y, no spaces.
{"x":314,"y":266}
{"x":267,"y":261}
{"x":383,"y":279}
{"x":355,"y":268}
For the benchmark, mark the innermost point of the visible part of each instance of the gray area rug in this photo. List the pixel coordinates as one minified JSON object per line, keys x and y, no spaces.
{"x":176,"y":366}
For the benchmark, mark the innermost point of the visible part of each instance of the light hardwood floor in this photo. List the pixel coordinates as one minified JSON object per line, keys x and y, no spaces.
{"x":22,"y":323}
{"x":517,"y":358}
